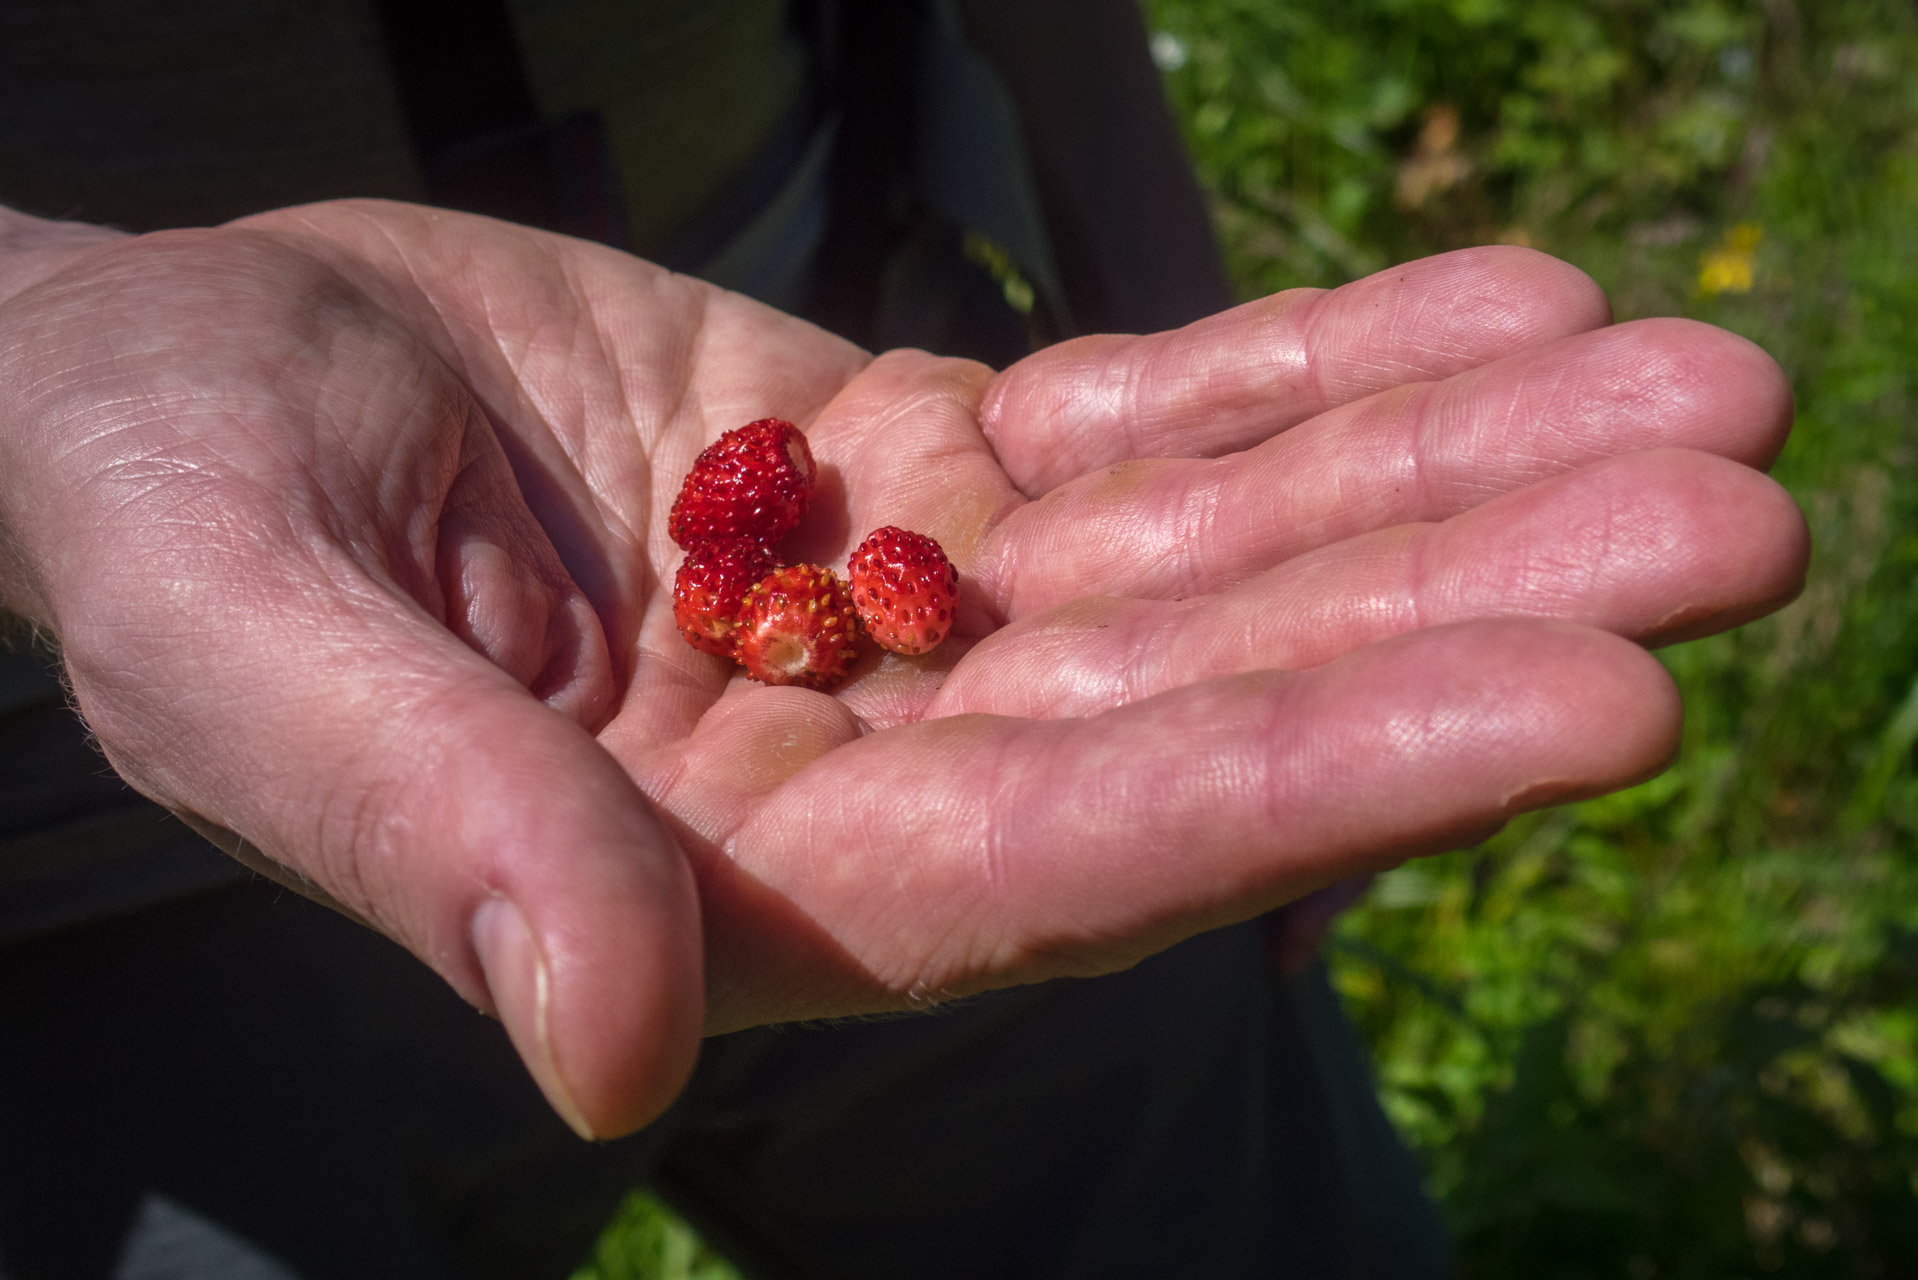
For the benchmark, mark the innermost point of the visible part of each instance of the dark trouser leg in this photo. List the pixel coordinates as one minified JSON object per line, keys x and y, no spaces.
{"x":245,"y":1085}
{"x":1195,"y":1116}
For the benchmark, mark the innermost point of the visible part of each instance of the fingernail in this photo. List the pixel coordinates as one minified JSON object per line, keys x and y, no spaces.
{"x":1545,"y":793}
{"x":517,"y":978}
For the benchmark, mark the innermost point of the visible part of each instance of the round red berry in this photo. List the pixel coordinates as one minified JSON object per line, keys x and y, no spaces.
{"x":753,"y":482}
{"x":796,"y":626}
{"x":904,"y":589}
{"x":711,"y":584}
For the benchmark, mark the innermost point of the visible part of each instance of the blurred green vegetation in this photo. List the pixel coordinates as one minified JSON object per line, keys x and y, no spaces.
{"x":648,"y":1241}
{"x":1674,"y":1032}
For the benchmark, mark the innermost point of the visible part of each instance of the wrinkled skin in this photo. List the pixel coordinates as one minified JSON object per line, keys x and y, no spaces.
{"x":350,"y":520}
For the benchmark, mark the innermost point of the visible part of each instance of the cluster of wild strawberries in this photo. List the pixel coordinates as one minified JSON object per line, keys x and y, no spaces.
{"x":793,"y":624}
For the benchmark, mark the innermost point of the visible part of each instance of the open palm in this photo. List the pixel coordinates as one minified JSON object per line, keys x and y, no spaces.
{"x":351,"y":522}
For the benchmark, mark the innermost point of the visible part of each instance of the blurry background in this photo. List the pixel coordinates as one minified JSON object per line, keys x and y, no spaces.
{"x":1671,"y":1033}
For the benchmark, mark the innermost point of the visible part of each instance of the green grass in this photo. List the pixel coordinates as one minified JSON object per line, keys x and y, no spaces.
{"x":1674,"y":1032}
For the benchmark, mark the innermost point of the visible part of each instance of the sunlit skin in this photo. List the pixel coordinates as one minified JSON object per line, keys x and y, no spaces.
{"x":350,"y":520}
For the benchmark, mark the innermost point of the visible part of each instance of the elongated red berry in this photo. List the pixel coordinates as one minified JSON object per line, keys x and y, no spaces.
{"x":712,"y":583}
{"x":753,"y":482}
{"x":904,"y":588}
{"x":797,"y":627}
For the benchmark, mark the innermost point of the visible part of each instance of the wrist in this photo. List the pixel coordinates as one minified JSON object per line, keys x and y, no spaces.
{"x":31,"y":249}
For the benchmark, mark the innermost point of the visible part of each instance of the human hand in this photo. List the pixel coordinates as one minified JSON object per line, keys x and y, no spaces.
{"x":350,"y":520}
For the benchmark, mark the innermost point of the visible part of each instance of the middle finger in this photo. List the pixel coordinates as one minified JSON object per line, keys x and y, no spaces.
{"x":1655,"y":547}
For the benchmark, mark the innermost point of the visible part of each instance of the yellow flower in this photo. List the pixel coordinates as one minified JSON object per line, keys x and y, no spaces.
{"x":1728,"y":268}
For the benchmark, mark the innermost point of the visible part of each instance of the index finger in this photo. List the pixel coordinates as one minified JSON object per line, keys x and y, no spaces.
{"x":1232,"y":380}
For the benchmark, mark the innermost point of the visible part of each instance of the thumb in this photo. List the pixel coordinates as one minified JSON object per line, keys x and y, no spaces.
{"x":401,"y":777}
{"x":302,"y":598}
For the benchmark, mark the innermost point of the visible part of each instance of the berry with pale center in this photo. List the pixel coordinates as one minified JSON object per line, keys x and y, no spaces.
{"x":753,"y":482}
{"x":904,"y":589}
{"x":797,"y":626}
{"x":711,"y":585}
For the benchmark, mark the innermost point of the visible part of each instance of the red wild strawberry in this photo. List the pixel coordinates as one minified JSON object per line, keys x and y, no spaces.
{"x":753,"y":482}
{"x":904,"y":588}
{"x":797,"y":627}
{"x":713,"y":580}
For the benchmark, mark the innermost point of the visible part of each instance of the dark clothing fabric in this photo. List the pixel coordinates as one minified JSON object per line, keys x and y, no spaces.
{"x":76,"y":843}
{"x":145,"y":115}
{"x":1195,"y":1116}
{"x":255,"y":1086}
{"x":1126,"y":224}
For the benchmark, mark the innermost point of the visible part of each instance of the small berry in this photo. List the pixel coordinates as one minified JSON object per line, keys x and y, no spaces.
{"x":712,"y":582}
{"x":753,"y":482}
{"x":797,"y":627}
{"x":904,"y":588}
